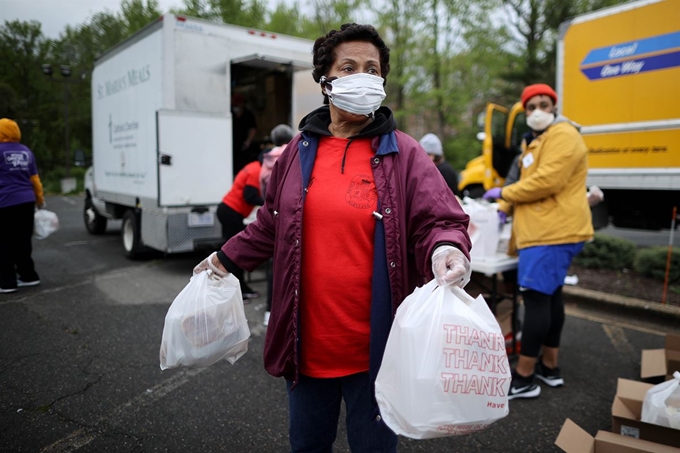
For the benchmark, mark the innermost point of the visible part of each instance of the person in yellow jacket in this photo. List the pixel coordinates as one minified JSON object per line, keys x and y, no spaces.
{"x":551,"y":223}
{"x":20,"y":192}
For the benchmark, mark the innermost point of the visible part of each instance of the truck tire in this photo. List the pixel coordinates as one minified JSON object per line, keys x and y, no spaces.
{"x":474,"y":191}
{"x":95,"y":223}
{"x":131,"y":235}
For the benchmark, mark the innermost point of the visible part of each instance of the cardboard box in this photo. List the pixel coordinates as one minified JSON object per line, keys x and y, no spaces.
{"x":573,"y":439}
{"x":661,"y":362}
{"x":626,"y":412}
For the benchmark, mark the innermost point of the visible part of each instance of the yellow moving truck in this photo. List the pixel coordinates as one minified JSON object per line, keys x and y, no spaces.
{"x":618,"y":75}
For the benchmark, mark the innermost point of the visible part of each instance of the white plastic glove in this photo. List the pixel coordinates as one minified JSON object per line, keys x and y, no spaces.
{"x":595,"y":196}
{"x":212,"y":263}
{"x":450,"y":266}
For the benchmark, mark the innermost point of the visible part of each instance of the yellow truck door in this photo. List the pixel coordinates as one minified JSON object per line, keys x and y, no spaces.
{"x":501,"y":140}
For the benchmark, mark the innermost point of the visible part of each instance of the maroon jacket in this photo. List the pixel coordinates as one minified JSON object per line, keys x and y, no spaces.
{"x":418,"y":211}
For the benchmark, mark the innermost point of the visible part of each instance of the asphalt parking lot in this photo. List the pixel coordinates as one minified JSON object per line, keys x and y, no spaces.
{"x":79,"y":366}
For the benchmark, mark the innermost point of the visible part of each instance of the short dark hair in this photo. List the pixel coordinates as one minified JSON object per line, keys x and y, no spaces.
{"x":324,"y":48}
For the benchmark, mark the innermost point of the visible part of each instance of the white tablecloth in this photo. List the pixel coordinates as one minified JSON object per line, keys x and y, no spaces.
{"x":493,"y":264}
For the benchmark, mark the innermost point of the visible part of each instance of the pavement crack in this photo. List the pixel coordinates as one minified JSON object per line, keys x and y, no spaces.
{"x":85,"y":388}
{"x":109,"y":423}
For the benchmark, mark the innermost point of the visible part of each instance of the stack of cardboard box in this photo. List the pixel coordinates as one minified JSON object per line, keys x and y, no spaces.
{"x":629,"y":433}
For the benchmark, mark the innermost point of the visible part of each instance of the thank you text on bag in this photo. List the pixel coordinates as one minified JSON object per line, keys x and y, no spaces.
{"x":445,"y":370}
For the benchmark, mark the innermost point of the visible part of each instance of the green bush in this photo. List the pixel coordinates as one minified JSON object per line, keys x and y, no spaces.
{"x":51,"y":180}
{"x":651,"y":262}
{"x":607,"y":252}
{"x":79,"y":174}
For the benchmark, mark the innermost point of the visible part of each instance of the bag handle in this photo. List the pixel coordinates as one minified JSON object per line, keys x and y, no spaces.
{"x":462,"y":295}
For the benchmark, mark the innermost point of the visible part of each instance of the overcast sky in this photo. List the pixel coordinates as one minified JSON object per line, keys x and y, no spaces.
{"x":55,"y":15}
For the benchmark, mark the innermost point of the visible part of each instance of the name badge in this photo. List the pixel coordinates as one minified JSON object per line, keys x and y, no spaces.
{"x":528,"y":160}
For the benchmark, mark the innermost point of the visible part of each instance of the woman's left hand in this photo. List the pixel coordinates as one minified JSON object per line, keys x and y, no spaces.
{"x":450,"y":266}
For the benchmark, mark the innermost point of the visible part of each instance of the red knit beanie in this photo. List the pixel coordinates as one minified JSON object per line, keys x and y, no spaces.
{"x":538,"y":89}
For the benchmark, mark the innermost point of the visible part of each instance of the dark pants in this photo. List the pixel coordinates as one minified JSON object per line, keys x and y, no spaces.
{"x":16,"y":231}
{"x":314,"y":407}
{"x":543,"y":321}
{"x":232,"y":224}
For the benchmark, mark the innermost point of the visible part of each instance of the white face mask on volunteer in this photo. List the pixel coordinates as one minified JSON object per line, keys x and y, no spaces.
{"x":361,"y":94}
{"x":540,"y":120}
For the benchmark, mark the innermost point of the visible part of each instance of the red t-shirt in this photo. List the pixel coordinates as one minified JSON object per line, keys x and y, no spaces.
{"x":337,"y":260}
{"x":248,"y":176}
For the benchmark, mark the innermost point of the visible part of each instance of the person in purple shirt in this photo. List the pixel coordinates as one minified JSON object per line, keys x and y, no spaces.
{"x":20,"y":192}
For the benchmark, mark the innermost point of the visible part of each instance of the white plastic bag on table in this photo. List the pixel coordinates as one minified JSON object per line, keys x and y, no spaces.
{"x":44,"y":223}
{"x":484,"y":227}
{"x":205,"y":323}
{"x":661,"y":405}
{"x":445,"y":370}
{"x":504,"y":237}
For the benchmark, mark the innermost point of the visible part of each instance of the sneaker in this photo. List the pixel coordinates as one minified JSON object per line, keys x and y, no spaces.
{"x":550,"y":376}
{"x":265,"y":322}
{"x":523,"y":387}
{"x":8,"y":290}
{"x":21,"y":283}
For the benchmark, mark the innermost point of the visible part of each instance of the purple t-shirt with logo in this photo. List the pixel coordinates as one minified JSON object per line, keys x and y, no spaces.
{"x":17,"y":165}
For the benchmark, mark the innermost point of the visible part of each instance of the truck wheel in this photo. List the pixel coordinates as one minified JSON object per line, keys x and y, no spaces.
{"x":474,"y":191}
{"x":131,"y":234}
{"x":94,"y":222}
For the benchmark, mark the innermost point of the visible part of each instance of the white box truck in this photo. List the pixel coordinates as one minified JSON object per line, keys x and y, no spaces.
{"x":162,"y":124}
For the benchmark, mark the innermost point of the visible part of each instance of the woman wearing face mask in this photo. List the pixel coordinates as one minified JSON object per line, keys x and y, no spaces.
{"x":551,"y":222}
{"x":355,"y":217}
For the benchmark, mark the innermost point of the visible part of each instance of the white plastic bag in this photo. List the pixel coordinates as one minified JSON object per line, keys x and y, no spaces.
{"x":445,"y":371}
{"x":661,"y":405}
{"x":205,"y":323}
{"x":484,"y":227}
{"x":44,"y":223}
{"x":504,"y":238}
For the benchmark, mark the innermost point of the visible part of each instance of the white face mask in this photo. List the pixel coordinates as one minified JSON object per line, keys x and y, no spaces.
{"x":360,"y":94}
{"x":540,"y":120}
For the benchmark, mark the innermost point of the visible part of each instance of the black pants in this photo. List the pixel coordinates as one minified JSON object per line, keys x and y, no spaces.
{"x":543,"y":321}
{"x":16,"y":232}
{"x":232,"y":224}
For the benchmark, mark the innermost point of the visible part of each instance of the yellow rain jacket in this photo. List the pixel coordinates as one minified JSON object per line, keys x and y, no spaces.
{"x":549,"y":201}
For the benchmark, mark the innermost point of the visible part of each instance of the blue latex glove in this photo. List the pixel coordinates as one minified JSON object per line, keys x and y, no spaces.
{"x":502,"y":217}
{"x":492,"y":194}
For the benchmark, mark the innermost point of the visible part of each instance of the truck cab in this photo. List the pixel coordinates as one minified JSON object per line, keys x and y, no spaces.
{"x":501,"y":136}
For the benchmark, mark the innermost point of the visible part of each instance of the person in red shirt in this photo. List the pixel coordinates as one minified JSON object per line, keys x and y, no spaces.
{"x":236,"y":205}
{"x":355,"y":217}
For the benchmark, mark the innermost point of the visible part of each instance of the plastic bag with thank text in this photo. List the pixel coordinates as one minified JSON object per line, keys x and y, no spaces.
{"x":205,"y":323}
{"x":445,"y":371}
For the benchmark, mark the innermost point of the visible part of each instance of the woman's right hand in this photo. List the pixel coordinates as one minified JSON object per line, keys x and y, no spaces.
{"x":213,"y":263}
